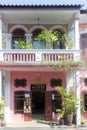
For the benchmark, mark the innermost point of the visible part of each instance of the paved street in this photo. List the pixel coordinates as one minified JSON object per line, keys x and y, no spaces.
{"x":38,"y":126}
{"x":43,"y":128}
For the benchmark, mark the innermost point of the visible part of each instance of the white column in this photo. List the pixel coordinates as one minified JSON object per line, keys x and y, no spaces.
{"x":69,"y":81}
{"x":7,"y":39}
{"x":77,"y":87}
{"x":28,"y":38}
{"x":0,"y":32}
{"x":7,"y":97}
{"x":0,"y":84}
{"x":76,"y":25}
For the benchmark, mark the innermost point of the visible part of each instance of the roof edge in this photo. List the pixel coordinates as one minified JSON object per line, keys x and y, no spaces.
{"x":41,"y":6}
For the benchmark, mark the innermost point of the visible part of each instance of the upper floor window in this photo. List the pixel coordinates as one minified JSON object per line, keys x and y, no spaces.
{"x":83,"y":43}
{"x":58,"y":44}
{"x":37,"y":44}
{"x":18,"y":35}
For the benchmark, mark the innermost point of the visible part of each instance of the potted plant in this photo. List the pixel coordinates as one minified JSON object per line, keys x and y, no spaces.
{"x":2,"y":112}
{"x":66,"y":41}
{"x":60,"y":113}
{"x":69,"y":104}
{"x":23,"y":45}
{"x":48,"y":38}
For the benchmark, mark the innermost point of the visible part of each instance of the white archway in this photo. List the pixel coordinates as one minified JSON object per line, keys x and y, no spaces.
{"x":18,"y":26}
{"x":58,"y":27}
{"x":37,"y":27}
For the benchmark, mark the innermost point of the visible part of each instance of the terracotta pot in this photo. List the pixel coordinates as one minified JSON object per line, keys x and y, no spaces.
{"x":68,"y":119}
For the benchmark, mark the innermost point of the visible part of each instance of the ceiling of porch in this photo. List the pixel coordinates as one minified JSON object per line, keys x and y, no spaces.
{"x":45,"y":16}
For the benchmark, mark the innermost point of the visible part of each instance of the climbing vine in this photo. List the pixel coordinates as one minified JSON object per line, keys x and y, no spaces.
{"x":68,"y":65}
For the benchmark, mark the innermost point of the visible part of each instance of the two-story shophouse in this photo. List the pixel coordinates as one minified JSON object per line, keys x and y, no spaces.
{"x":26,"y":75}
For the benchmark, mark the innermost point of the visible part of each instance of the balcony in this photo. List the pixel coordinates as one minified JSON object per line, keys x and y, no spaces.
{"x":37,"y":56}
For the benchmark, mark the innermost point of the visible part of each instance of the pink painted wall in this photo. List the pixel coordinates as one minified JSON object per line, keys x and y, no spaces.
{"x":32,"y":78}
{"x":83,"y":75}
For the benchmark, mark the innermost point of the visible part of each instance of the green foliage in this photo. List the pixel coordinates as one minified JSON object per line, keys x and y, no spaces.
{"x":2,"y":108}
{"x":53,"y":36}
{"x":67,"y":41}
{"x":69,"y":100}
{"x":68,"y":65}
{"x":23,"y":45}
{"x":47,"y":36}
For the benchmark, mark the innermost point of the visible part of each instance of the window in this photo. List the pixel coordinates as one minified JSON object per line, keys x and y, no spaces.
{"x":17,"y":35}
{"x":85,"y":101}
{"x":19,"y":101}
{"x":37,"y":44}
{"x":57,"y":102}
{"x":85,"y":81}
{"x":59,"y":44}
{"x":83,"y":41}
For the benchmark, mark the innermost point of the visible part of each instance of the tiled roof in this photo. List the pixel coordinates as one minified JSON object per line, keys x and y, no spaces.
{"x":40,"y":3}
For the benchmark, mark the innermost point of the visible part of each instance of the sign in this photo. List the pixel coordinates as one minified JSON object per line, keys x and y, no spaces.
{"x":38,"y":87}
{"x":38,"y":57}
{"x":27,"y":95}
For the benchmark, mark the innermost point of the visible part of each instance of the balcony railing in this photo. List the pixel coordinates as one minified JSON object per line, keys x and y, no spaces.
{"x":22,"y":56}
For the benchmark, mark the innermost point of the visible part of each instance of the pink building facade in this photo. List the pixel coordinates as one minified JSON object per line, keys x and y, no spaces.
{"x":27,"y":76}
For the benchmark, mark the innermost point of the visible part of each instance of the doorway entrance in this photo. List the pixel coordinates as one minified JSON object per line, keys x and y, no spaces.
{"x":38,"y":105}
{"x":38,"y":101}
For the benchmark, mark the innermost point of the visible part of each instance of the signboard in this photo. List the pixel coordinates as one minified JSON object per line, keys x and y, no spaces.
{"x":27,"y":95}
{"x":38,"y":57}
{"x":38,"y":87}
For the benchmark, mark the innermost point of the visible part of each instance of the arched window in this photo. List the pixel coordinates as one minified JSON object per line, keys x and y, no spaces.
{"x":37,"y":44}
{"x":59,"y":44}
{"x":18,"y":35}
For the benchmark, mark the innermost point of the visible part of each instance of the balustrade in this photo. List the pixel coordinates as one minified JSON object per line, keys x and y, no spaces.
{"x":34,"y":56}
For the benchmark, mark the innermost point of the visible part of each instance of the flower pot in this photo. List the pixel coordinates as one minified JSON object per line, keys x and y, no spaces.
{"x":68,"y":119}
{"x":61,"y":121}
